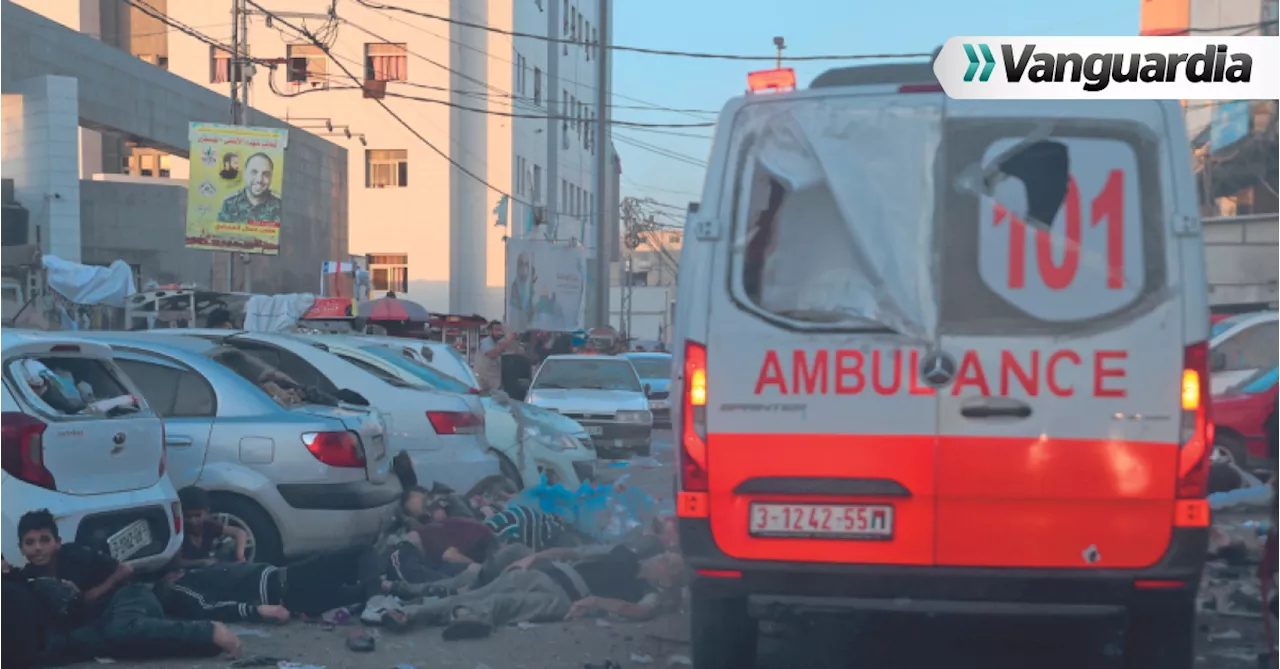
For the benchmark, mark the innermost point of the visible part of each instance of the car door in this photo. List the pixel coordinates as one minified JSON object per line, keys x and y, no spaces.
{"x":1062,"y":348}
{"x":1243,"y":354}
{"x":186,"y":402}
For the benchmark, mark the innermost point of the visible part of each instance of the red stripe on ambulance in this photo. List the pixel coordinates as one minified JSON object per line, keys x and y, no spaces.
{"x":895,"y":372}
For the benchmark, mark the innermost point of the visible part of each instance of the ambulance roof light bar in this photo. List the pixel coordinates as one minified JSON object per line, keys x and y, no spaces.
{"x":783,"y":79}
{"x":778,"y":79}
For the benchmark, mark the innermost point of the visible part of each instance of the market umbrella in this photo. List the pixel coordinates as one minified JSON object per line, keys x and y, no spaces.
{"x":392,"y":308}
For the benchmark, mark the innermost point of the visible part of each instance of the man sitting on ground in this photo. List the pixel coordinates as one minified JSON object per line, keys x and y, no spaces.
{"x":203,"y":531}
{"x":105,"y":614}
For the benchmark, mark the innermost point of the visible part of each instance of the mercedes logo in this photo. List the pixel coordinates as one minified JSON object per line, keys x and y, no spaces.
{"x":937,"y":368}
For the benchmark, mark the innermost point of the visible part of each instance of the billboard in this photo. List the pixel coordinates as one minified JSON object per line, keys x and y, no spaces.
{"x":236,"y":188}
{"x":1231,"y":123}
{"x":546,"y":286}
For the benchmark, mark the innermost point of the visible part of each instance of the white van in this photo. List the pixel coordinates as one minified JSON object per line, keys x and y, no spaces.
{"x":943,"y":356}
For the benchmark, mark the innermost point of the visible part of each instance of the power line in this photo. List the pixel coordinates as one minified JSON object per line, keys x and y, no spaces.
{"x":635,"y":49}
{"x":391,"y":112}
{"x":150,"y":10}
{"x":661,"y":151}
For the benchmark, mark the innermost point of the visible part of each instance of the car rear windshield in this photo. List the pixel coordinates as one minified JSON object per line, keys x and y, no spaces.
{"x":66,"y":386}
{"x":604,"y":374}
{"x":652,"y":368}
{"x":432,"y":377}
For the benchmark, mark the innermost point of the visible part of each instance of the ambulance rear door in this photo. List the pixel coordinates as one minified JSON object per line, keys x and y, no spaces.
{"x":820,"y":438}
{"x":1062,"y":348}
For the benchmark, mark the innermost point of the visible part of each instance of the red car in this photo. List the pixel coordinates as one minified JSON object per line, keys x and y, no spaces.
{"x":1240,"y":417}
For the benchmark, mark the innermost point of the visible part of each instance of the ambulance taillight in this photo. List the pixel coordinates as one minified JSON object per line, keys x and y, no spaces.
{"x":691,"y":499}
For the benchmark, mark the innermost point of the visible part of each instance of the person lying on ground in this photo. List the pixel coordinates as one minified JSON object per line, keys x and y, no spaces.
{"x":407,"y":567}
{"x":203,"y":532}
{"x":444,"y":539}
{"x":251,"y":592}
{"x":557,"y":584}
{"x":97,"y":611}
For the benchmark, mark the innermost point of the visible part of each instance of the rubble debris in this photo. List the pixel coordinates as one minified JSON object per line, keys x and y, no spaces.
{"x":641,"y":659}
{"x":260,"y":661}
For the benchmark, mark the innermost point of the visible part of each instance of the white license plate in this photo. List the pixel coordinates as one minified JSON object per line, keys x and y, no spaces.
{"x":658,"y":404}
{"x":594,"y":430}
{"x":128,"y":541}
{"x":836,"y":521}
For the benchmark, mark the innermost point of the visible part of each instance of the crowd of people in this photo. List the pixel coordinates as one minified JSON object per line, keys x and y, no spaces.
{"x":468,"y":563}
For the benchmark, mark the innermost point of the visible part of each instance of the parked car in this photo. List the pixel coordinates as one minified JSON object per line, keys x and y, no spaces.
{"x":1241,"y":346}
{"x":1240,"y":417}
{"x":435,"y":354}
{"x":603,"y":393}
{"x":655,"y":372}
{"x":102,"y":475}
{"x":442,"y":432}
{"x":444,"y":358}
{"x":297,"y":478}
{"x":528,"y":439}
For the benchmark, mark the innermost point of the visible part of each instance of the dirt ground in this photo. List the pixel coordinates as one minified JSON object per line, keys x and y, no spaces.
{"x":883,"y":643}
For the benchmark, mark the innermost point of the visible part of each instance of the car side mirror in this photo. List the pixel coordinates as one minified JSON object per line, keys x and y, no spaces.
{"x":1217,"y":361}
{"x":648,"y":389}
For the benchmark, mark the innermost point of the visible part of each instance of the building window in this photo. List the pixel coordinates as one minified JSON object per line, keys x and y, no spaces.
{"x":595,"y":40}
{"x":161,"y":62}
{"x":386,"y":62}
{"x":591,"y":136}
{"x":578,"y":34}
{"x":522,"y":76}
{"x":537,"y":182}
{"x":386,"y":168}
{"x":537,"y":86}
{"x":165,"y":163}
{"x":308,"y":64}
{"x":219,"y":65}
{"x":586,"y":38}
{"x":566,"y":17}
{"x":574,"y":23}
{"x":389,"y":272}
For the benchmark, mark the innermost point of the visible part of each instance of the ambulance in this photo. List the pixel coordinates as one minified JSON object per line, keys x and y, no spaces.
{"x":942,"y":356}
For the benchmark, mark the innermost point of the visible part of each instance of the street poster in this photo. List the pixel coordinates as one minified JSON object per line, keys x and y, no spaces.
{"x":546,"y":286}
{"x":235,"y":190}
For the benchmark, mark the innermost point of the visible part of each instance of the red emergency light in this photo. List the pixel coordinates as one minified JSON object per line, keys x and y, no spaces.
{"x":776,"y":80}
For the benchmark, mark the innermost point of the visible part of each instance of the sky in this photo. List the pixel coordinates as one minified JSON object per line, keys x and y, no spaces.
{"x":810,"y":27}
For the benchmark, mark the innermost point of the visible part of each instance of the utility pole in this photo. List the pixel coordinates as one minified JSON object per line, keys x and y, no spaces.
{"x":233,"y":75}
{"x":602,"y":168}
{"x":551,"y":96}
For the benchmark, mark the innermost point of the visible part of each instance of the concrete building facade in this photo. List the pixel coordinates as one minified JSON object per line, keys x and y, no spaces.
{"x":483,"y":117}
{"x":69,"y":96}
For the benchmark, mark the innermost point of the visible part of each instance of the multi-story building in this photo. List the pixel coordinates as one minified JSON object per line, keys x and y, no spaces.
{"x":482,"y":115}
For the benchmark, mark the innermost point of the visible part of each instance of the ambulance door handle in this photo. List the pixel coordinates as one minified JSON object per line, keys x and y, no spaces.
{"x":987,"y":408}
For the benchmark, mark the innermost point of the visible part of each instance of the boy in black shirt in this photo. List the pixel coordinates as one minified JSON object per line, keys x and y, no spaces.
{"x":108,"y":616}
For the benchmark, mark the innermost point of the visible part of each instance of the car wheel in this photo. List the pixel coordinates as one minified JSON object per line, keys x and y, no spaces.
{"x":510,"y":472}
{"x":1161,"y":634}
{"x":1229,"y":448}
{"x":263,"y":542}
{"x":722,"y":634}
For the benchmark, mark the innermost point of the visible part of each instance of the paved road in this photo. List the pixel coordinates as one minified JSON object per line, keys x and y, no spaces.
{"x":885,"y":643}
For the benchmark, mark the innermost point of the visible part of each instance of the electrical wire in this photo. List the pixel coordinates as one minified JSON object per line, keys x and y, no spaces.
{"x":391,"y":112}
{"x":150,"y":10}
{"x":646,"y":105}
{"x":634,"y":49}
{"x":658,"y":150}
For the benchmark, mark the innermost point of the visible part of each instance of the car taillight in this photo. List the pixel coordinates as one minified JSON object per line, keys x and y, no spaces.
{"x":456,"y":422}
{"x":336,"y":449}
{"x":1197,"y":428}
{"x":176,"y":508}
{"x":23,"y":449}
{"x":693,"y":418}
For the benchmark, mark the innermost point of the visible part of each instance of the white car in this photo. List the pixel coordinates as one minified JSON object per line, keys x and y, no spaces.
{"x":1242,"y":346}
{"x":102,"y":475}
{"x":435,"y":354}
{"x":443,"y":433}
{"x":530,"y":443}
